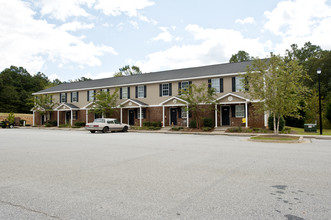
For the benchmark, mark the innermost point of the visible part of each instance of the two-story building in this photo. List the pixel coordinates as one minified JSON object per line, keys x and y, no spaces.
{"x":156,"y":97}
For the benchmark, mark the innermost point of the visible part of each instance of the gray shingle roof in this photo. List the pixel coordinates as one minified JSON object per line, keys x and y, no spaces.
{"x":177,"y":74}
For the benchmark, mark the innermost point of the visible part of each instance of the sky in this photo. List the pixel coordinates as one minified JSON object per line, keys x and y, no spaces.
{"x":69,"y":39}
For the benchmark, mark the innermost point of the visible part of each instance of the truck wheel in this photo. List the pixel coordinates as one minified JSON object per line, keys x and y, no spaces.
{"x":92,"y":131}
{"x":125,"y":129}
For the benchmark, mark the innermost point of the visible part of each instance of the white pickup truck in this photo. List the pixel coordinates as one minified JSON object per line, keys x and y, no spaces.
{"x":106,"y":124}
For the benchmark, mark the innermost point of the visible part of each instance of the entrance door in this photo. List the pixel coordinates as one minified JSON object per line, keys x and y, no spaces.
{"x":225,"y":115}
{"x":68,"y":117}
{"x":173,"y":112}
{"x":131,"y":117}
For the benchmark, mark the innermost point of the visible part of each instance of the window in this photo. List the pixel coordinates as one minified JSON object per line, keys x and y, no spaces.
{"x":239,"y":83}
{"x":75,"y":115}
{"x":124,"y":92}
{"x":184,"y":113}
{"x":215,"y":83}
{"x":141,"y":92}
{"x":138,"y":114}
{"x":117,"y":122}
{"x":165,"y":89}
{"x":63,"y":97}
{"x":90,"y":96}
{"x":185,"y":85}
{"x":105,"y":90}
{"x":240,"y":111}
{"x":74,"y":97}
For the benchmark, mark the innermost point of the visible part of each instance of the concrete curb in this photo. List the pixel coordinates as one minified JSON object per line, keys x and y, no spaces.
{"x":325,"y":137}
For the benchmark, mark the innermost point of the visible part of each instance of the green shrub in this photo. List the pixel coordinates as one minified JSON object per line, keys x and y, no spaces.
{"x":65,"y":126}
{"x":249,"y":130}
{"x":11,"y":118}
{"x":235,"y":129}
{"x":328,"y":112}
{"x":22,"y":122}
{"x":154,"y":128}
{"x":256,"y":130}
{"x":146,"y":124}
{"x":177,"y":128}
{"x":286,"y":131}
{"x":51,"y":123}
{"x":206,"y":128}
{"x":208,"y":122}
{"x":271,"y":123}
{"x":193,"y":124}
{"x":79,"y":124}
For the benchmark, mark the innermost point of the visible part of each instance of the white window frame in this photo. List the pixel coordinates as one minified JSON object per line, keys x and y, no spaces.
{"x":91,"y":95}
{"x":185,"y":85}
{"x":124,"y":92}
{"x":239,"y":85}
{"x":141,"y":91}
{"x":240,"y":111}
{"x":63,"y":97}
{"x":138,"y":112}
{"x":215,"y":83}
{"x":74,"y":98}
{"x":184,"y":112}
{"x":165,"y":91}
{"x":105,"y":90}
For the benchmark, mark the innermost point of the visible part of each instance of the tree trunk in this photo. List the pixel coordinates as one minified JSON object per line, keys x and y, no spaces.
{"x":275,"y":127}
{"x":278,"y":119}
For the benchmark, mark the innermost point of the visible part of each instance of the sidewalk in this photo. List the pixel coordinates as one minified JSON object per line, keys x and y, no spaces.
{"x":167,"y":130}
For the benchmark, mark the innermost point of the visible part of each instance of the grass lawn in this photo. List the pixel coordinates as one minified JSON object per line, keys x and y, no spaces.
{"x":275,"y":138}
{"x":301,"y":131}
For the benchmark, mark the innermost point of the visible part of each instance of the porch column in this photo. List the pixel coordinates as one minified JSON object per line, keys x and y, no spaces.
{"x":121,"y":115}
{"x":58,"y":118}
{"x":140,"y":116}
{"x":86,"y":120}
{"x":187,"y":117}
{"x":71,"y":118}
{"x":246,"y":111}
{"x":163,"y":116}
{"x":33,"y":120}
{"x":215,"y":115}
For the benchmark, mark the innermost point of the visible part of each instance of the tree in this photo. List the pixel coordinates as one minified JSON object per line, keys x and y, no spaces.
{"x":44,"y":104}
{"x":278,"y":85}
{"x":105,"y":103}
{"x":128,"y":71}
{"x":196,"y":96}
{"x":240,"y":57}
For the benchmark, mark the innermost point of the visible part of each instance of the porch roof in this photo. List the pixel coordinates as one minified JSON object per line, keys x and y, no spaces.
{"x":66,"y":106}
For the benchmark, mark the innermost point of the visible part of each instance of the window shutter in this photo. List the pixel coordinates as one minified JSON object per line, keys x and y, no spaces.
{"x":77,"y":96}
{"x":145,"y":91}
{"x":246,"y":84}
{"x":209,"y":83}
{"x":60,"y":98}
{"x":190,"y":82}
{"x":233,"y":84}
{"x":94,"y":94}
{"x":128,"y":92}
{"x":160,"y":90}
{"x":244,"y":111}
{"x":233,"y":108}
{"x":189,"y":114}
{"x":136,"y":91}
{"x":221,"y":84}
{"x":170,"y":89}
{"x":136,"y":112}
{"x":179,"y":112}
{"x":71,"y":97}
{"x":179,"y":88}
{"x":120,"y":93}
{"x":144,"y":113}
{"x":66,"y":97}
{"x":107,"y":90}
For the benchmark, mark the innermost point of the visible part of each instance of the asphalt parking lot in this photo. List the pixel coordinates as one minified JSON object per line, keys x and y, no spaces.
{"x":52,"y":174}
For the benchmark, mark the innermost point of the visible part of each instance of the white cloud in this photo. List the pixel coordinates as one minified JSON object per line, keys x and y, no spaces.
{"x":62,"y":9}
{"x":128,"y":7}
{"x":53,"y":76}
{"x":217,"y":46}
{"x":134,"y":24}
{"x":99,"y":75}
{"x":300,"y":21}
{"x":164,"y":35}
{"x":30,"y":43}
{"x":248,"y":20}
{"x":74,"y":26}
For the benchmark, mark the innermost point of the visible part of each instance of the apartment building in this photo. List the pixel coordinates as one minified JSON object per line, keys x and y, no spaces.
{"x":156,"y":97}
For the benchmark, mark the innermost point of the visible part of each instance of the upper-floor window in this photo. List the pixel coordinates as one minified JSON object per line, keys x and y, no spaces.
{"x":90,"y":95}
{"x":74,"y":97}
{"x":105,"y":90}
{"x":183,"y":86}
{"x":237,"y":84}
{"x":141,"y":92}
{"x":125,"y":93}
{"x":166,"y":89}
{"x":63,"y":97}
{"x":216,"y":84}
